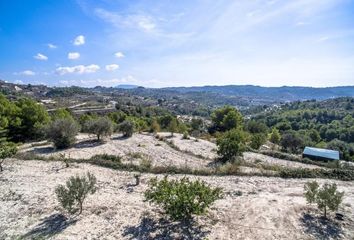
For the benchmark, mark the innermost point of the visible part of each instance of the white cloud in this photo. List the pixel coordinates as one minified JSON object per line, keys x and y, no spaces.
{"x":73,"y":55}
{"x":79,"y":69}
{"x":323,"y":39}
{"x":142,"y":22}
{"x":27,"y":73}
{"x":79,"y":40}
{"x":119,"y":55}
{"x":52,"y":46}
{"x":112,"y":67}
{"x":41,"y":57}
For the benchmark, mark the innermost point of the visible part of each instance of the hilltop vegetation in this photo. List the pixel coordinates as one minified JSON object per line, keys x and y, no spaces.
{"x":327,"y":124}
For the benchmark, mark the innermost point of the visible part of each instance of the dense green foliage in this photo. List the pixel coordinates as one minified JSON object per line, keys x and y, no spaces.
{"x":326,"y":124}
{"x":6,"y":150}
{"x":181,"y":199}
{"x":72,"y":195}
{"x":327,"y":197}
{"x":231,"y":144}
{"x":22,"y":119}
{"x":225,"y":119}
{"x":62,"y":132}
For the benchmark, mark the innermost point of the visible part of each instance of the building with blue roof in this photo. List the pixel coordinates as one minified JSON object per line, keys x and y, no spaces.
{"x":320,"y":154}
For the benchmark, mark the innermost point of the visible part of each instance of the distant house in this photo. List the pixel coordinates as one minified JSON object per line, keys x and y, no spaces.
{"x":320,"y":154}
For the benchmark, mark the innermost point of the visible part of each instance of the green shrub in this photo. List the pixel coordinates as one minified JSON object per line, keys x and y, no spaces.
{"x":62,"y":132}
{"x":181,"y":199}
{"x":231,"y":145}
{"x":6,"y":150}
{"x":127,"y":128}
{"x":173,"y":126}
{"x":145,"y":164}
{"x":327,"y":197}
{"x":185,"y":135}
{"x":72,"y":195}
{"x":257,"y":140}
{"x":275,"y":136}
{"x":311,"y":190}
{"x":113,"y":158}
{"x":340,"y":174}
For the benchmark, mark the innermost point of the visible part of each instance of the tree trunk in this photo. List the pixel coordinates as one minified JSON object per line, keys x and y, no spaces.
{"x":80,"y":205}
{"x":325,"y":211}
{"x":98,"y":137}
{"x":0,"y":166}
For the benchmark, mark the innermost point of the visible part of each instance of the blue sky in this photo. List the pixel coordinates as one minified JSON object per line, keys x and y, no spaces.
{"x":159,"y":43}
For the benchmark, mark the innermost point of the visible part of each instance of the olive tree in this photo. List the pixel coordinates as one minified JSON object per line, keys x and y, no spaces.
{"x":173,"y":126}
{"x":127,"y":128}
{"x":62,"y":132}
{"x":181,"y":199}
{"x":100,"y":127}
{"x":72,"y":195}
{"x":327,"y":197}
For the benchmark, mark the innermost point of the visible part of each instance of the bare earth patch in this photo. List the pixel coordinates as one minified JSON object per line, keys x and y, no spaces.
{"x":179,"y":152}
{"x":146,"y":145}
{"x":252,"y":208}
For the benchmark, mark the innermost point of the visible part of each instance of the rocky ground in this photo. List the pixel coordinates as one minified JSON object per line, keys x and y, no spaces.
{"x":252,"y":208}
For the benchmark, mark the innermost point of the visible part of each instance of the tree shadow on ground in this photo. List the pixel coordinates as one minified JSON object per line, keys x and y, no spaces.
{"x":121,"y":137}
{"x":50,"y":226}
{"x":164,"y":229}
{"x":42,"y":150}
{"x":89,"y":143}
{"x":320,"y":227}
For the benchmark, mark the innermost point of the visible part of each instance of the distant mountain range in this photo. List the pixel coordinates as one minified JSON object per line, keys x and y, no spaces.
{"x":235,"y":93}
{"x":127,"y":86}
{"x":281,"y":93}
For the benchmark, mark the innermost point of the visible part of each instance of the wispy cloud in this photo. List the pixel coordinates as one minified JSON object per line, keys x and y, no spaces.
{"x":142,"y":22}
{"x":79,"y":40}
{"x":52,"y":46}
{"x":323,"y":39}
{"x":79,"y":69}
{"x":41,"y":57}
{"x":112,"y":67}
{"x":26,"y":73}
{"x":73,"y":55}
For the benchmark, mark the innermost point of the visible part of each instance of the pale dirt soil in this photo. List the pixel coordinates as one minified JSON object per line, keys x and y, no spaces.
{"x":269,"y":208}
{"x":195,"y":154}
{"x":145,"y":144}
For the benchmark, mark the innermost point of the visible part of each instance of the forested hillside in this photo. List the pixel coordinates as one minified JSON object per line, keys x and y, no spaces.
{"x":328,"y":123}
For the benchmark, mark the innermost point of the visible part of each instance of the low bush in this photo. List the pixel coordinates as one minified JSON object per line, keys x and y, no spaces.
{"x":327,"y":197}
{"x":127,"y":128}
{"x":340,"y":174}
{"x":113,"y":158}
{"x":72,"y":195}
{"x":62,"y":132}
{"x":185,"y":135}
{"x":181,"y":199}
{"x":6,"y":150}
{"x":145,"y":164}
